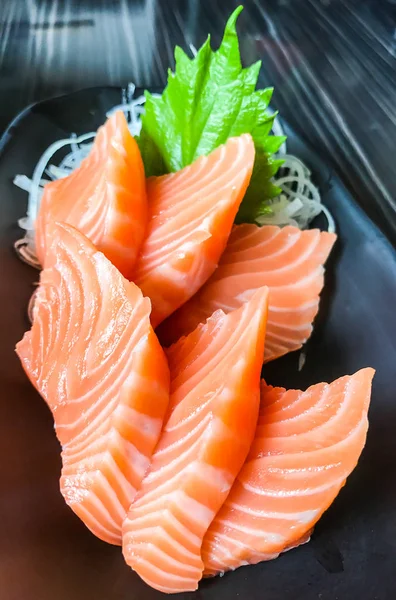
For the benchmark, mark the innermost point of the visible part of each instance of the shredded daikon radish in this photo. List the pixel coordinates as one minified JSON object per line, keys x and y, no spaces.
{"x":301,"y":360}
{"x":297,"y":205}
{"x":25,"y":247}
{"x":132,"y":108}
{"x":31,"y":306}
{"x":37,"y":182}
{"x":300,"y":201}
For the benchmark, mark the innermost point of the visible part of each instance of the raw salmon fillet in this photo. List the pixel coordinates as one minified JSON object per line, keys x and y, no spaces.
{"x":306,"y":445}
{"x":105,"y":198}
{"x":94,"y":357}
{"x":214,"y":404}
{"x":191,"y":216}
{"x":289,"y":261}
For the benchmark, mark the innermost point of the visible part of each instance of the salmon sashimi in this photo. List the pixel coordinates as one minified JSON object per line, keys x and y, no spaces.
{"x":306,"y":445}
{"x":94,"y":357}
{"x":289,"y":261}
{"x":213,"y":411}
{"x":105,"y":198}
{"x":191,"y":216}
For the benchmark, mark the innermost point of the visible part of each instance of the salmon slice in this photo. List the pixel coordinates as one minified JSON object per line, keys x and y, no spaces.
{"x":213,"y":411}
{"x":105,"y":198}
{"x":306,"y":445}
{"x":95,"y":359}
{"x":288,"y":261}
{"x":191,"y":216}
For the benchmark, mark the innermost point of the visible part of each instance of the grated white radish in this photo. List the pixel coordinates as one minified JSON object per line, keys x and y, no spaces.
{"x":297,"y":205}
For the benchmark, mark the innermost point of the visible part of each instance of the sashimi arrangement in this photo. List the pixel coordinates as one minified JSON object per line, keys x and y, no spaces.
{"x":95,"y":359}
{"x":162,"y":294}
{"x":288,"y":260}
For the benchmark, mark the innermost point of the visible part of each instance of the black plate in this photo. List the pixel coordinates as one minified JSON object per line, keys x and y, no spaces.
{"x":47,"y":554}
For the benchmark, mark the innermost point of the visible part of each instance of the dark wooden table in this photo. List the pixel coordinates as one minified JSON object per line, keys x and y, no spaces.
{"x":332,"y":63}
